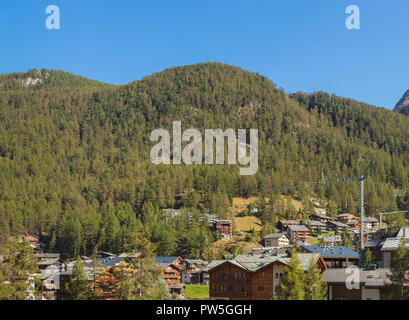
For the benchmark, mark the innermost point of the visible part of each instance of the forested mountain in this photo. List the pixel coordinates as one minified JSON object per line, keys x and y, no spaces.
{"x":74,"y":154}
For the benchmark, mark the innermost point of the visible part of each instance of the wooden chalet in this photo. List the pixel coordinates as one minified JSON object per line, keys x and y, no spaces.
{"x":252,"y":277}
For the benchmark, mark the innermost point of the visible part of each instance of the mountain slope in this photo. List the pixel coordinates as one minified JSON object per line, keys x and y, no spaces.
{"x":74,"y":155}
{"x":403,"y":105}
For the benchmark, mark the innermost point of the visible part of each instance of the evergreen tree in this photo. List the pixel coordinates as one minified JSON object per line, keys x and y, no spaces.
{"x":315,"y":287}
{"x":368,"y":259}
{"x":17,"y":270}
{"x":79,"y":287}
{"x":292,"y":285}
{"x":399,"y":273}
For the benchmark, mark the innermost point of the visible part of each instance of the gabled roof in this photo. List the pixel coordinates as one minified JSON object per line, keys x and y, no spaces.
{"x":255,"y":262}
{"x":165,"y":261}
{"x":321,"y":216}
{"x":393,"y":244}
{"x":110,"y":261}
{"x":369,"y":278}
{"x":338,"y":224}
{"x":332,"y":251}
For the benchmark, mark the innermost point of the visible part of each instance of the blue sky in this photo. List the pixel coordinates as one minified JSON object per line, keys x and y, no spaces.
{"x":302,"y":45}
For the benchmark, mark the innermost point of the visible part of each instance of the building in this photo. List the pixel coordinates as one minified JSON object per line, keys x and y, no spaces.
{"x":317,"y":226}
{"x":298,"y":232}
{"x":334,"y":256}
{"x":371,"y":284}
{"x":370,"y":223}
{"x":224,"y":228}
{"x":282,"y":225}
{"x":321,"y":218}
{"x":276,"y":240}
{"x":252,"y":277}
{"x":347,"y":217}
{"x":337,"y":226}
{"x":191,"y":271}
{"x":171,"y":270}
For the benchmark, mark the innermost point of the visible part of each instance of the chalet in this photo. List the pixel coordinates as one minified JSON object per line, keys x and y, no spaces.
{"x":372,"y":284}
{"x":33,"y":240}
{"x":347,"y":217}
{"x":224,"y":228}
{"x":171,"y":268}
{"x":370,"y":223}
{"x":337,"y":226}
{"x":317,"y":226}
{"x":321,"y":218}
{"x":375,"y":246}
{"x":283,"y":224}
{"x":388,"y":249}
{"x":298,"y":232}
{"x":191,"y":271}
{"x":276,"y":240}
{"x":334,"y":256}
{"x":252,"y":277}
{"x":49,"y":262}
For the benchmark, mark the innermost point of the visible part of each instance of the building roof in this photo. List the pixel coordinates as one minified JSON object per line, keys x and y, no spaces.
{"x":374,"y":243}
{"x":274,"y":236}
{"x":338,"y":224}
{"x":130,"y":255}
{"x":370,"y":219}
{"x":110,"y":261}
{"x":403,"y":232}
{"x":313,"y":223}
{"x":369,"y":278}
{"x":298,"y":228}
{"x":254,"y":262}
{"x":332,"y":251}
{"x":393,"y":244}
{"x":165,"y":261}
{"x":196,"y":261}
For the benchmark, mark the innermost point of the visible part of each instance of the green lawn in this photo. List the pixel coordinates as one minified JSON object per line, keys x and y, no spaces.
{"x":197,"y":291}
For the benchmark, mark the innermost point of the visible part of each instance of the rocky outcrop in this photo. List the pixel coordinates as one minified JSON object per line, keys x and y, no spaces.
{"x":403,"y":104}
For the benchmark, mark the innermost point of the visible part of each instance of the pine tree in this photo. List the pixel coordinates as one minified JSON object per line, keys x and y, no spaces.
{"x":292,"y":285}
{"x":315,"y":287}
{"x":399,"y":273}
{"x":16,"y":273}
{"x":368,"y":259}
{"x":79,"y":287}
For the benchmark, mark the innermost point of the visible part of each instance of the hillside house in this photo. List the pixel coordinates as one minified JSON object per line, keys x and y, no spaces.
{"x":337,"y":226}
{"x":191,"y":271}
{"x":317,"y":226}
{"x":252,"y":277}
{"x":321,"y":218}
{"x":276,"y":240}
{"x":224,"y":228}
{"x":334,"y":256}
{"x":282,"y":225}
{"x":372,"y":284}
{"x":298,"y":232}
{"x":370,"y":223}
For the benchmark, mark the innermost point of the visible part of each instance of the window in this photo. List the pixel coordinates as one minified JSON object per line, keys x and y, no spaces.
{"x":261,"y":288}
{"x":276,"y":275}
{"x":261,"y":275}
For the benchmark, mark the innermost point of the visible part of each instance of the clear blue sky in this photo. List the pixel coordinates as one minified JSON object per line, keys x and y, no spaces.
{"x":302,"y":45}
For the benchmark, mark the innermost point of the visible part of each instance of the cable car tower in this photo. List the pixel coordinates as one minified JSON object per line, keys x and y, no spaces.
{"x":360,"y":179}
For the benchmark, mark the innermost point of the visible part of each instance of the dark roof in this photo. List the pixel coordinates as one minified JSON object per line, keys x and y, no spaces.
{"x":164,"y":261}
{"x":321,"y":216}
{"x":338,"y":224}
{"x":332,"y":251}
{"x":316,"y":223}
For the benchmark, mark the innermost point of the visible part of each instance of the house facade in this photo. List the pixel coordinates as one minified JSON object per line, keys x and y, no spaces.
{"x":276,"y":240}
{"x":252,"y":277}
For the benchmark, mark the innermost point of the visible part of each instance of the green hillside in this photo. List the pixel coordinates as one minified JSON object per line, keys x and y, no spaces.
{"x":75,"y":168}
